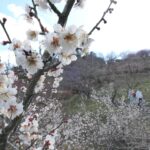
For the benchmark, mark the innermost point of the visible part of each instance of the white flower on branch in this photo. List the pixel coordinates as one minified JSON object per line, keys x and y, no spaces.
{"x":32,"y":63}
{"x":40,"y":84}
{"x":58,"y":28}
{"x":84,"y":42}
{"x":55,"y":73}
{"x":69,"y":38}
{"x":15,"y":45}
{"x":52,"y":43}
{"x":49,"y":142}
{"x":12,"y":109}
{"x":28,"y":14}
{"x":32,"y":35}
{"x":67,"y":58}
{"x":7,"y":91}
{"x":56,"y":82}
{"x":29,"y":129}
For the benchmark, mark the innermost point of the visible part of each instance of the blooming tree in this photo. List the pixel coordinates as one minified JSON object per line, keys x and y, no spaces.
{"x":108,"y":127}
{"x":18,"y":112}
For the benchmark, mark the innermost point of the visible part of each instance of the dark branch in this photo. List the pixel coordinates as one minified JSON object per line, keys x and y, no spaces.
{"x":3,"y":26}
{"x":54,"y":8}
{"x":37,"y":17}
{"x":67,"y":9}
{"x":108,"y":10}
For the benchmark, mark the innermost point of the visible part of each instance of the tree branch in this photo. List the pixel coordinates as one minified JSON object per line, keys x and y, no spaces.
{"x":36,"y":16}
{"x":4,"y":28}
{"x":67,"y":9}
{"x":54,"y":8}
{"x":108,"y":10}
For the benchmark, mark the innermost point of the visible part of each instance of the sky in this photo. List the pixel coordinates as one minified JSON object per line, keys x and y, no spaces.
{"x":127,"y":30}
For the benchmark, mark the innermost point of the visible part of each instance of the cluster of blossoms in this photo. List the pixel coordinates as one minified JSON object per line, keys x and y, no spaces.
{"x":30,"y":135}
{"x":26,"y":57}
{"x":49,"y":142}
{"x":56,"y":73}
{"x":40,"y":84}
{"x":63,"y":44}
{"x":29,"y":129}
{"x":9,"y":107}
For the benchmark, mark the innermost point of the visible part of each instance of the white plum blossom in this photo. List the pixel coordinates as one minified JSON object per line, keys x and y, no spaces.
{"x":55,"y":73}
{"x":58,"y":28}
{"x":52,"y":43}
{"x":20,"y":58}
{"x":9,"y":94}
{"x":30,"y":125}
{"x":15,"y":45}
{"x":49,"y":142}
{"x":57,"y":81}
{"x":32,"y":63}
{"x":23,"y":89}
{"x":67,"y":58}
{"x":32,"y":35}
{"x":84,"y":42}
{"x":12,"y":109}
{"x":40,"y":84}
{"x":29,"y":129}
{"x":28,"y":14}
{"x":26,"y":45}
{"x":7,"y":91}
{"x":69,"y":39}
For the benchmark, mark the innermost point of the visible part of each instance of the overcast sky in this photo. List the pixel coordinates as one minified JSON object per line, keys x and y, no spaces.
{"x":128,"y":27}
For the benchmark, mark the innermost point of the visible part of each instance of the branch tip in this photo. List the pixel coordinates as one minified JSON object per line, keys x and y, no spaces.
{"x":102,"y":19}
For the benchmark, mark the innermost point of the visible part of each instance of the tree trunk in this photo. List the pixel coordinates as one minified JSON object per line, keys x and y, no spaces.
{"x":67,"y":9}
{"x":3,"y":141}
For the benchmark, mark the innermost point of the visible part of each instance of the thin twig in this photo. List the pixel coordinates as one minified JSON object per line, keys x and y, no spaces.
{"x":58,"y":126}
{"x":4,"y":28}
{"x":37,"y":17}
{"x":108,"y":10}
{"x":54,"y":8}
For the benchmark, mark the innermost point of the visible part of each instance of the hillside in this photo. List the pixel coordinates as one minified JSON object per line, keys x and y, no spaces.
{"x":131,"y":72}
